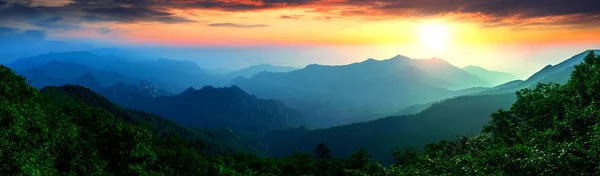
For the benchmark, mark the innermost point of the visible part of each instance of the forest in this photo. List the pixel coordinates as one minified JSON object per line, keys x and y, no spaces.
{"x":551,"y":129}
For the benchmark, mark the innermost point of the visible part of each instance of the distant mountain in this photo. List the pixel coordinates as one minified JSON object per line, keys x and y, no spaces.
{"x":335,"y":95}
{"x":492,"y":77}
{"x":172,"y":75}
{"x":441,"y":69}
{"x":218,"y":108}
{"x":559,"y":73}
{"x":59,"y":73}
{"x":255,"y":69}
{"x":414,"y":109}
{"x":448,"y":119}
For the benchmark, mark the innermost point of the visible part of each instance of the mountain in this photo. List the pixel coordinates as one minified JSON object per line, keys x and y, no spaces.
{"x":255,"y":69}
{"x":559,"y":73}
{"x":412,"y":109}
{"x":447,"y":119}
{"x":220,"y":107}
{"x":336,"y":95}
{"x":172,"y":75}
{"x":492,"y":77}
{"x":441,"y":69}
{"x":59,"y":73}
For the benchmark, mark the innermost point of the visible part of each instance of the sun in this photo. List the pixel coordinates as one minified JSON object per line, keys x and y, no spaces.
{"x":434,"y":36}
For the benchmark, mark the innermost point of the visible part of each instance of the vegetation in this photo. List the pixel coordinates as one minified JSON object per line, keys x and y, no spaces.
{"x":550,"y":130}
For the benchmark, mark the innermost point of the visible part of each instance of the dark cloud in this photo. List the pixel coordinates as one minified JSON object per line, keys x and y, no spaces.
{"x":4,"y":30}
{"x":235,"y":25}
{"x":293,"y":17}
{"x":241,"y":5}
{"x":37,"y":34}
{"x":579,"y":12}
{"x":71,"y":14}
{"x":105,"y":30}
{"x":55,"y":22}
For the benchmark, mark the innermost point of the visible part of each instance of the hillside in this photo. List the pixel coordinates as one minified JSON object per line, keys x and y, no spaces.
{"x":255,"y":69}
{"x":558,"y":73}
{"x":492,"y":77}
{"x":444,"y":120}
{"x":216,"y":140}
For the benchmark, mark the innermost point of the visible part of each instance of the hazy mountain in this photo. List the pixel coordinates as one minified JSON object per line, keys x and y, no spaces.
{"x":441,"y":69}
{"x":335,"y":95}
{"x":172,"y":75}
{"x":255,"y":69}
{"x":220,"y":107}
{"x":412,"y":109}
{"x":59,"y":73}
{"x":559,"y":73}
{"x":492,"y":77}
{"x":443,"y":120}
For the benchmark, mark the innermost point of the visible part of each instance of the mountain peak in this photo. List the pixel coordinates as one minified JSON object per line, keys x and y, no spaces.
{"x":473,"y":66}
{"x":188,"y":91}
{"x":400,"y":57}
{"x":88,"y":80}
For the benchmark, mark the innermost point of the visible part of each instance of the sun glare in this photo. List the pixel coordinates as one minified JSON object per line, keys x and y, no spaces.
{"x":434,"y":36}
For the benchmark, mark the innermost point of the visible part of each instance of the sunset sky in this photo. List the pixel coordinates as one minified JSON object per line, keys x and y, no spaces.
{"x":517,"y":36}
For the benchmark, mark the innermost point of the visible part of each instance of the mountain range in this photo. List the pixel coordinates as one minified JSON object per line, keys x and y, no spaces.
{"x":336,"y":95}
{"x":211,"y":107}
{"x":559,"y":73}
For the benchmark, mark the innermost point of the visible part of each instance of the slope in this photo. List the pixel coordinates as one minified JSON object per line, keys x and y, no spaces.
{"x":492,"y":77}
{"x":444,"y":120}
{"x":558,"y":73}
{"x":255,"y":69}
{"x":216,"y":140}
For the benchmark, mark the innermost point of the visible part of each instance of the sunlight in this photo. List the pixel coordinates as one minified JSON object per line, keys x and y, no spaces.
{"x":434,"y":36}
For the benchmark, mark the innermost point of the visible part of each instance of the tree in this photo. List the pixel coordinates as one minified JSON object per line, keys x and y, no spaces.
{"x":322,"y":151}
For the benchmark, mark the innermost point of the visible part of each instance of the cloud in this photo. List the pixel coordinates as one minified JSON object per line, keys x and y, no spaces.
{"x":66,"y":14}
{"x":4,"y":30}
{"x":293,"y":17}
{"x":105,"y":30}
{"x":69,"y":14}
{"x":521,"y":12}
{"x":54,"y":22}
{"x":240,"y":5}
{"x":235,"y":25}
{"x":37,"y":34}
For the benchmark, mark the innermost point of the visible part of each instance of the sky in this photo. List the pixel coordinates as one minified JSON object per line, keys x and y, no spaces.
{"x":516,"y":36}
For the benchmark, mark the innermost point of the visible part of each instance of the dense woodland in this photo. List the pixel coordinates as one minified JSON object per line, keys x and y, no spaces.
{"x":551,"y":129}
